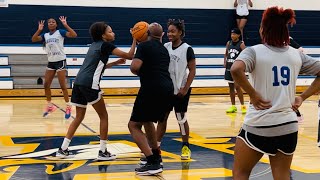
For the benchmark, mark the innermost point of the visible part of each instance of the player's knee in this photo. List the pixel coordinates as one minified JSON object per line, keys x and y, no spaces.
{"x":162,"y":124}
{"x":130,"y":125}
{"x":181,"y":117}
{"x":281,"y":174}
{"x":238,"y":89}
{"x":133,"y":125}
{"x":46,"y":85}
{"x":240,"y":174}
{"x":231,"y":87}
{"x":64,"y":88}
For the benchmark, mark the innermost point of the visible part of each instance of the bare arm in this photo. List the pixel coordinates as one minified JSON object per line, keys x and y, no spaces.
{"x":242,"y":46}
{"x":226,"y":55}
{"x":191,"y":75}
{"x":135,"y":66}
{"x":36,"y":37}
{"x":126,"y":55}
{"x":71,"y":33}
{"x":235,"y":4}
{"x":119,"y":61}
{"x":250,"y":3}
{"x":238,"y":75}
{"x":312,"y":89}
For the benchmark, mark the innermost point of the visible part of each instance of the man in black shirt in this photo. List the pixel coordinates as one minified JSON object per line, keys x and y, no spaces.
{"x":154,"y":100}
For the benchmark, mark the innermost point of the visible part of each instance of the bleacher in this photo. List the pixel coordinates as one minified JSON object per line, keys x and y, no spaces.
{"x":21,"y":68}
{"x":6,"y":82}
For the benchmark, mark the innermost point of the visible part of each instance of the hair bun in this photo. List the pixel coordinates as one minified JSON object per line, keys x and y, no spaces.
{"x":289,"y":16}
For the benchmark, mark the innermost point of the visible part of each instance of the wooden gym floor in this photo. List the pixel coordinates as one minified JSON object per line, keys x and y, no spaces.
{"x":27,"y":142}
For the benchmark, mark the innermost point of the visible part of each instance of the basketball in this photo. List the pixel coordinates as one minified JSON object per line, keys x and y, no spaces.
{"x":140,"y":31}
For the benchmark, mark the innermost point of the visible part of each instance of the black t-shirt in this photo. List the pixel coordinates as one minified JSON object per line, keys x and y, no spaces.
{"x":92,"y":68}
{"x":107,"y":48}
{"x":190,"y":52}
{"x":154,"y":74}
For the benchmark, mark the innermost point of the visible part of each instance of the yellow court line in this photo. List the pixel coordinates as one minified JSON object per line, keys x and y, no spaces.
{"x":198,"y":140}
{"x":192,"y":174}
{"x":7,"y":142}
{"x":8,"y":172}
{"x":195,"y":139}
{"x":77,"y":134}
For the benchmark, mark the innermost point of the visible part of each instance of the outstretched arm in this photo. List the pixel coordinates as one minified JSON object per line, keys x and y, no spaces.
{"x":119,"y":61}
{"x":126,"y":55}
{"x":36,"y":37}
{"x":71,"y":33}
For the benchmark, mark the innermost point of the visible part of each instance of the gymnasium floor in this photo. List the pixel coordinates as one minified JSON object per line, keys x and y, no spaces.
{"x":27,"y":142}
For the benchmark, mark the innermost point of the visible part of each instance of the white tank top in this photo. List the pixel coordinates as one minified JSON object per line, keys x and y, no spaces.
{"x":54,"y":46}
{"x":242,"y":8}
{"x":178,"y":65}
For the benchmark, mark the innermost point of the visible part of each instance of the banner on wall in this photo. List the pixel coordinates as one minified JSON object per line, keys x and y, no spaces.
{"x":3,"y":3}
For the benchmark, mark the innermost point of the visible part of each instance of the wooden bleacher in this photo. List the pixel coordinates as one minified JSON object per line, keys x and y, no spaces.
{"x":6,"y":82}
{"x":117,"y":80}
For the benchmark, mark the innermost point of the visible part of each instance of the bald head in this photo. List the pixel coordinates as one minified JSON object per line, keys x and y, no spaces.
{"x":155,"y":30}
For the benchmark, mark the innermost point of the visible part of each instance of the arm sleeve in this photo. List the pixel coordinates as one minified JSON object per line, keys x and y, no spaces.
{"x":190,"y":54}
{"x":310,"y":65}
{"x":63,"y":32}
{"x":248,"y":56}
{"x":107,"y":48}
{"x":139,"y":53}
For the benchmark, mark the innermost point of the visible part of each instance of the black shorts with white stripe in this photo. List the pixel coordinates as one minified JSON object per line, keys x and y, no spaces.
{"x":82,"y":95}
{"x":57,"y":66}
{"x":285,"y":144}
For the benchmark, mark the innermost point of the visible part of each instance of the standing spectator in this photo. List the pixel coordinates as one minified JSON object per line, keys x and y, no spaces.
{"x":242,"y":13}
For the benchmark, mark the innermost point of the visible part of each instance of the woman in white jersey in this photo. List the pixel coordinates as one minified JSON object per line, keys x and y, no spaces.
{"x":182,"y":60}
{"x":242,"y":13}
{"x":57,"y":59}
{"x":270,"y":126}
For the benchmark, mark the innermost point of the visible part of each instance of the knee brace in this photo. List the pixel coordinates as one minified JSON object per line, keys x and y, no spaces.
{"x":182,"y":118}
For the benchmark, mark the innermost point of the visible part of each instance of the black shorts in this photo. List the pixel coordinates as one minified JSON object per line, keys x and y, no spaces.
{"x":81,"y":96}
{"x":151,"y":107}
{"x":228,"y":76}
{"x":181,"y":104}
{"x":241,"y":17}
{"x":57,"y":66}
{"x":285,"y":144}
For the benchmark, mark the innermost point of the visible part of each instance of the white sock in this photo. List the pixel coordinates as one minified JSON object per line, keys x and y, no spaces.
{"x":68,"y":104}
{"x":103,"y":145}
{"x":158,"y":143}
{"x":49,"y":103}
{"x":65,"y":143}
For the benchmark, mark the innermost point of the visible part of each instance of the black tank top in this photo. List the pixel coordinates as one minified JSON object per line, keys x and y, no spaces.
{"x":234,"y":50}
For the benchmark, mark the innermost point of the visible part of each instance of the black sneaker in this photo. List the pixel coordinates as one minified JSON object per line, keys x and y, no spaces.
{"x":143,"y":161}
{"x":64,"y":153}
{"x":149,"y":169}
{"x":106,"y":156}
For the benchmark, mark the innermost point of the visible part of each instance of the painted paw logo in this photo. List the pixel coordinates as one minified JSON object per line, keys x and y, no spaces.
{"x":38,"y":153}
{"x":82,"y":152}
{"x":35,"y":158}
